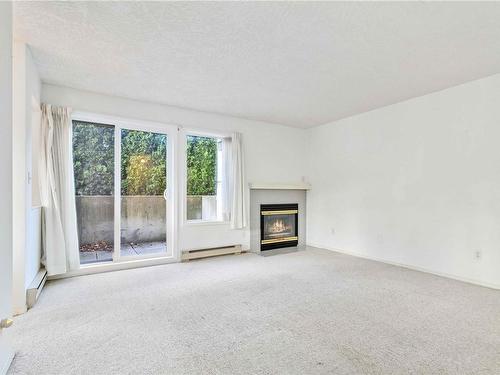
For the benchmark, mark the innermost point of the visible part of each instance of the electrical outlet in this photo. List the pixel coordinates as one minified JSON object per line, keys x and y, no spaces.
{"x":478,"y":254}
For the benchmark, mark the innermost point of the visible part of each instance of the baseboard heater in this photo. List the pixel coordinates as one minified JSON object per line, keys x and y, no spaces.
{"x":188,"y":255}
{"x":35,"y":288}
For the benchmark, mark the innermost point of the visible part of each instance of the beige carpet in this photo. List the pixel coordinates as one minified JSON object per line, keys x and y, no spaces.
{"x":308,"y":312}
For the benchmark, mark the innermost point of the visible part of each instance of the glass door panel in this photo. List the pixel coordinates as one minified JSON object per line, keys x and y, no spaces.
{"x":93,"y":166}
{"x":143,"y":185}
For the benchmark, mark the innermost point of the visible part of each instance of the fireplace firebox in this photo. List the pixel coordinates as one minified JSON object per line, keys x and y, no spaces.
{"x":278,"y":225}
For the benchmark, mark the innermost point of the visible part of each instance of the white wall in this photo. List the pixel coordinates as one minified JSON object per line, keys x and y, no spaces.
{"x":415,"y":183}
{"x":33,"y":116}
{"x":26,"y":91}
{"x":264,"y":145}
{"x":33,"y":246}
{"x":6,"y":352}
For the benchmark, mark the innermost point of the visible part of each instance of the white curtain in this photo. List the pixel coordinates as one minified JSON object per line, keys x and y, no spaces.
{"x":59,"y":228}
{"x":238,"y":186}
{"x":226,"y":197}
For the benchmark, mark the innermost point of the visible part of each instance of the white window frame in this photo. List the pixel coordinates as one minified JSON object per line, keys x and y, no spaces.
{"x":183,"y":178}
{"x":173,"y":253}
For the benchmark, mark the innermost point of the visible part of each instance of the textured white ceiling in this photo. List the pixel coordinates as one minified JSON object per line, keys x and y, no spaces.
{"x":294,"y":63}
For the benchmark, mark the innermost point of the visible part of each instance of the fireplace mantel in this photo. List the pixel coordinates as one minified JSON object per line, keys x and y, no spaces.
{"x":268,"y":186}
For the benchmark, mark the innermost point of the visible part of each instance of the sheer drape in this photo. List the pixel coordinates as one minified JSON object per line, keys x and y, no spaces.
{"x":59,"y":229}
{"x":226,"y":179}
{"x":238,"y":186}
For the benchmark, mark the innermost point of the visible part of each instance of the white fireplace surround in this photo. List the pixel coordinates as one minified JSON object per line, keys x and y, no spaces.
{"x":276,"y":194}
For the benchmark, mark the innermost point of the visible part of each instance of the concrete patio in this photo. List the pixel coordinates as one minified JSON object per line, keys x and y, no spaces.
{"x":127,"y":249}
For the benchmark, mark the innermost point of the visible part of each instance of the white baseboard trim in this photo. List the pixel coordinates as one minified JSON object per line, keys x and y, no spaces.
{"x":408,"y":266}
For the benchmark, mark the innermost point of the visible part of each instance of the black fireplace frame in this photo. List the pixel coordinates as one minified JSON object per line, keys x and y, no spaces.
{"x":278,"y":207}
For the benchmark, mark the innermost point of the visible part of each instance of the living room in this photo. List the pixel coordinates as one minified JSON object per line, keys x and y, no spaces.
{"x":250,"y":187}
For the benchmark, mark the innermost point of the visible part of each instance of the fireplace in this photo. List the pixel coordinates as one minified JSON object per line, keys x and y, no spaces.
{"x":278,"y":225}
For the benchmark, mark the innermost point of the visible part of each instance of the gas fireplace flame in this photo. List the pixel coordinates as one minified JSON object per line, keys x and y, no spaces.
{"x":278,"y":226}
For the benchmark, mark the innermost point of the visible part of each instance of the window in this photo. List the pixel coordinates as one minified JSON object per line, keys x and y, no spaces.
{"x":205,"y":178}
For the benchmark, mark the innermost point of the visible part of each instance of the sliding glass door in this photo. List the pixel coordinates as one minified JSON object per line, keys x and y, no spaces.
{"x":143,"y":193}
{"x":124,"y":181}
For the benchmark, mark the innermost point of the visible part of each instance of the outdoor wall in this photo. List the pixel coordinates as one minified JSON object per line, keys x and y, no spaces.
{"x":95,"y":219}
{"x":415,"y":183}
{"x":263,"y":144}
{"x":143,"y":219}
